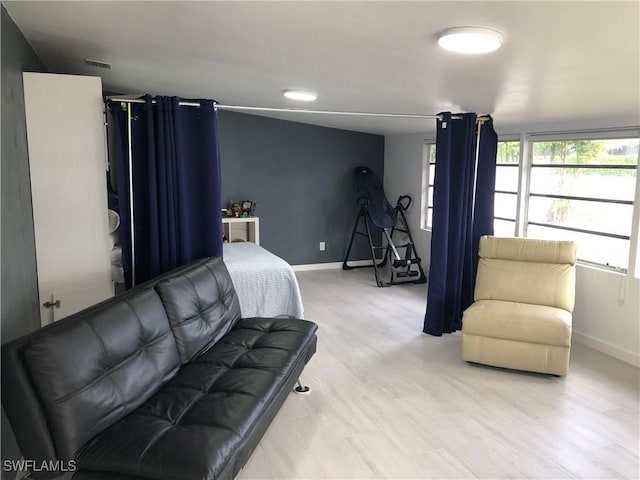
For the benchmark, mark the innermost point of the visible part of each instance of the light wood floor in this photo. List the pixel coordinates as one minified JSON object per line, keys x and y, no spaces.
{"x":391,"y":402}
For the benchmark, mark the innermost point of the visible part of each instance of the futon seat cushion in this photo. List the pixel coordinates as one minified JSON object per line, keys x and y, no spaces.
{"x":194,"y":425}
{"x":518,"y":321}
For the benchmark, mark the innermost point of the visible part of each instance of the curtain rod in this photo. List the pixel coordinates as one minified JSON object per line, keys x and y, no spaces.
{"x":328,"y":112}
{"x":481,"y":118}
{"x":140,"y":100}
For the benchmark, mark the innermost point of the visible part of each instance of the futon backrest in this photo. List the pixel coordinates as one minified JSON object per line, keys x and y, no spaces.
{"x":99,"y":365}
{"x":540,"y":272}
{"x":201,"y":304}
{"x":67,"y":382}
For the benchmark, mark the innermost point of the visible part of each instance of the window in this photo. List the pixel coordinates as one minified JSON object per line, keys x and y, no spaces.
{"x":577,"y":186}
{"x":584,"y":190}
{"x":506,"y":197}
{"x":428,"y":174}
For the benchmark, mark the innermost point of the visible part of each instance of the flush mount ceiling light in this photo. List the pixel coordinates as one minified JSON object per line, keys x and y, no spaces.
{"x":301,"y":95}
{"x":470,"y":40}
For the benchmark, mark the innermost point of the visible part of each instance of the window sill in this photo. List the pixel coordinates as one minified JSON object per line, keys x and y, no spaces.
{"x":603,"y":268}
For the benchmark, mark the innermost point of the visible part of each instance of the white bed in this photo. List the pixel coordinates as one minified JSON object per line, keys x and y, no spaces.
{"x":265,"y":283}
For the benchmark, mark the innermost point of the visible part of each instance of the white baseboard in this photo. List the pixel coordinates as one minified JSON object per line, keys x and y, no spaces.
{"x":329,"y":265}
{"x":607,"y":348}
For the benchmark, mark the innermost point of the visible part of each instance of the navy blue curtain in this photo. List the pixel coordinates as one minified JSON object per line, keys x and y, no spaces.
{"x":176,"y":184}
{"x":459,"y":219}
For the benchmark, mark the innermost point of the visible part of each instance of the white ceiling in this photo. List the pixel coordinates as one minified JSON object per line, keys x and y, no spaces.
{"x":561,"y":61}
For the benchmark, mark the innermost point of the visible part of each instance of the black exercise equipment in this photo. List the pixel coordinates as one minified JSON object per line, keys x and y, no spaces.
{"x":375,"y":208}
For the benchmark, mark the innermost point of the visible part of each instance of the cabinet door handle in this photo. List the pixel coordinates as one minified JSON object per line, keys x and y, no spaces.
{"x":50,"y":304}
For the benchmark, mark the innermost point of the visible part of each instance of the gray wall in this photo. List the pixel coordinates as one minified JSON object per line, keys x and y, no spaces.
{"x":19,"y":305}
{"x":301,"y":177}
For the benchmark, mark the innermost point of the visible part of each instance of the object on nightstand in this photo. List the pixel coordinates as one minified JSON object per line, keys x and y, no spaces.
{"x":236,"y":210}
{"x":248,"y":208}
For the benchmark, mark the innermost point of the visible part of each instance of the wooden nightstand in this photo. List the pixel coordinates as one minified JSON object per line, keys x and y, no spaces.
{"x":247,"y":229}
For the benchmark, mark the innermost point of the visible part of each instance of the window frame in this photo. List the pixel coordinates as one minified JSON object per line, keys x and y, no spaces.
{"x":527,"y":139}
{"x":510,"y":139}
{"x":633,"y":266}
{"x":427,"y":165}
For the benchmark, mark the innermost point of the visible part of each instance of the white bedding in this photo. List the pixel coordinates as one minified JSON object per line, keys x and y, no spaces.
{"x":265,"y":283}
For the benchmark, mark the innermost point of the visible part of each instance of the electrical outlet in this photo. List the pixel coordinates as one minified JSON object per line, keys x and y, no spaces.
{"x":322,"y":246}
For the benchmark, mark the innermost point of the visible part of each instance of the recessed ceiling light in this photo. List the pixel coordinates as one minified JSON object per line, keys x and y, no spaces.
{"x":470,"y":40}
{"x":301,"y":95}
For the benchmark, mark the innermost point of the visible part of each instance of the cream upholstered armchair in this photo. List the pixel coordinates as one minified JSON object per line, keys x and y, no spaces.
{"x":524,"y":298}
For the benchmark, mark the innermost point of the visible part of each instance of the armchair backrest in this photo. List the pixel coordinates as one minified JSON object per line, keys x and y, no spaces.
{"x":523,"y":270}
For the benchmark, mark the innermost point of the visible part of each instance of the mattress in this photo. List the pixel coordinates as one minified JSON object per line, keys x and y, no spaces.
{"x":265,"y":283}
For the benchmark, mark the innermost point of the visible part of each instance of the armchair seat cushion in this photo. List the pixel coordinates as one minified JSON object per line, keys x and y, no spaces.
{"x":518,"y":321}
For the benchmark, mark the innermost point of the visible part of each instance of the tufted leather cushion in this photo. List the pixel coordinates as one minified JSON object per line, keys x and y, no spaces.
{"x":201,"y":304}
{"x":95,"y":369}
{"x":196,"y":425}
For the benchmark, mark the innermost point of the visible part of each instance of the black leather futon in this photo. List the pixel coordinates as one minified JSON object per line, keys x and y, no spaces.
{"x":165,"y":381}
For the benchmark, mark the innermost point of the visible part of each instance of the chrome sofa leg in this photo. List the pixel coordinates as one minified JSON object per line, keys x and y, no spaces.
{"x":301,"y":389}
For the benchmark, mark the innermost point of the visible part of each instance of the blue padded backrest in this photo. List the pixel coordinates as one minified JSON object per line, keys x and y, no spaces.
{"x":201,"y":304}
{"x":380,"y":210}
{"x":101,"y":364}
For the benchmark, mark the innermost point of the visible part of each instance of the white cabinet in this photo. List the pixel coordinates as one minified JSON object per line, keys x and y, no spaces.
{"x":67,"y":162}
{"x":247,"y":229}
